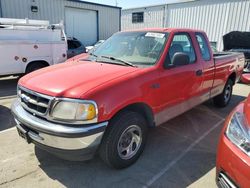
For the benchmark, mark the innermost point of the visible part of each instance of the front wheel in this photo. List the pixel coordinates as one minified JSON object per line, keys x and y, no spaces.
{"x":35,"y":66}
{"x":124,"y":140}
{"x":224,"y":98}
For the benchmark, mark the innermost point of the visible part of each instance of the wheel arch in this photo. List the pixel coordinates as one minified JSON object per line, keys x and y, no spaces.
{"x":142,"y":108}
{"x":232,"y":77}
{"x":42,"y":62}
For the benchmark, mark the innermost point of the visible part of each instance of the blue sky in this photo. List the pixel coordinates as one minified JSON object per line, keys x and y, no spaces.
{"x":131,"y":3}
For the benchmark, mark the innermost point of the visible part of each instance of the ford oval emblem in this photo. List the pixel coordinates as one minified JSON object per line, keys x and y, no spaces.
{"x":25,"y":98}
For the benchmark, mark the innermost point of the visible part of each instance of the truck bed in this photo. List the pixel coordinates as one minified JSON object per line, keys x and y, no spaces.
{"x":232,"y":58}
{"x":224,"y":62}
{"x":226,"y":54}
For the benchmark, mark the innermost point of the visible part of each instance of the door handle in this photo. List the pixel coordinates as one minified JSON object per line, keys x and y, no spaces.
{"x":199,"y":72}
{"x":155,"y":86}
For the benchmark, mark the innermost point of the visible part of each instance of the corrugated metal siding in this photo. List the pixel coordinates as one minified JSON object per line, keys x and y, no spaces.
{"x":0,"y":9}
{"x":153,"y":17}
{"x":216,"y":18}
{"x":54,"y":11}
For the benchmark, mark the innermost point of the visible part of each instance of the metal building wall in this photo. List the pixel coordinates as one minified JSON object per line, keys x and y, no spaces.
{"x":216,"y":18}
{"x":54,"y":11}
{"x":153,"y":17}
{"x":0,"y":9}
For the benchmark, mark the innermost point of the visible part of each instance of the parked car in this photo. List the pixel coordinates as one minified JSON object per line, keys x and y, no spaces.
{"x":214,"y":49}
{"x":233,"y":161}
{"x":108,"y":99}
{"x":91,"y":48}
{"x":247,"y":66}
{"x":237,"y":41}
{"x":245,"y":78}
{"x":247,"y":61}
{"x":75,"y":47}
{"x":28,"y":45}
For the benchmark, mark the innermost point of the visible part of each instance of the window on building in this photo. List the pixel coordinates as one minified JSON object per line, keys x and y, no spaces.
{"x":137,"y":17}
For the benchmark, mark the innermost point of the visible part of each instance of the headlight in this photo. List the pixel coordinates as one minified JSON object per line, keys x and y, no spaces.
{"x":237,"y":132}
{"x":70,"y":110}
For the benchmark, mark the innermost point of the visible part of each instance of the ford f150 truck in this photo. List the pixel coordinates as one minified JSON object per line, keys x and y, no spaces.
{"x":106,"y":101}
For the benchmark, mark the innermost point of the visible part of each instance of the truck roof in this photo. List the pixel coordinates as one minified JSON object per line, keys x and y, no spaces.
{"x":166,"y":30}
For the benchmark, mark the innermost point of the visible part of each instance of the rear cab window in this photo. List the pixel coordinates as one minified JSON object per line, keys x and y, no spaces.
{"x":204,"y":49}
{"x":182,"y":43}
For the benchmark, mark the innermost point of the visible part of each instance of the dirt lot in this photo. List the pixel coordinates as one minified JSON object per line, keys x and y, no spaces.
{"x":180,"y":153}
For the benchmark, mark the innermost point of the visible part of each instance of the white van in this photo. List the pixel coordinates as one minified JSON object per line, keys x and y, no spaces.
{"x":28,"y":45}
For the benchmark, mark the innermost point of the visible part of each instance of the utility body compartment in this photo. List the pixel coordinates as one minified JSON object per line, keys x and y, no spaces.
{"x":23,"y":42}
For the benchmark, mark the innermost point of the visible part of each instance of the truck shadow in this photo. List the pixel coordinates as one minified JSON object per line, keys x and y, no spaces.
{"x":8,"y":86}
{"x":162,"y":154}
{"x":7,"y":94}
{"x":6,"y":118}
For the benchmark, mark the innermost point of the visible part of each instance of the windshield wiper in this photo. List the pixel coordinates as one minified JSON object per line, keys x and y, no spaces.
{"x":119,"y":60}
{"x":93,"y":54}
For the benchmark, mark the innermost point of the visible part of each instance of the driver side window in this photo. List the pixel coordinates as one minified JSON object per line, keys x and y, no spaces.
{"x":182,"y":43}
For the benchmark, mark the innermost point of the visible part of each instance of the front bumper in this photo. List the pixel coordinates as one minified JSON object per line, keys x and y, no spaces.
{"x":233,"y":166}
{"x":78,"y":142}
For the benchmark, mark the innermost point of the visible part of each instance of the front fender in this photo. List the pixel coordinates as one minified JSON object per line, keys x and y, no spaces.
{"x":120,"y":93}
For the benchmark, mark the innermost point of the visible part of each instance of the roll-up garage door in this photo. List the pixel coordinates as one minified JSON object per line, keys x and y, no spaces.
{"x":81,"y":24}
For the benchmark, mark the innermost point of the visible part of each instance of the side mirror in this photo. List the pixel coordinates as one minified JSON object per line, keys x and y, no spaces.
{"x":180,"y":58}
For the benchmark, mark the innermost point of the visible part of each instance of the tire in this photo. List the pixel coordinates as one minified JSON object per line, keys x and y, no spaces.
{"x":119,"y":135}
{"x":224,"y":98}
{"x":35,"y":66}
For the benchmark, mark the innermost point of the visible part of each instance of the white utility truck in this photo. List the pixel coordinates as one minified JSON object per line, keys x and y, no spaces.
{"x":27,"y":45}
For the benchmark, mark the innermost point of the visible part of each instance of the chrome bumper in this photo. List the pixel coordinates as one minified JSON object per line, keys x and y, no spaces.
{"x":223,"y":181}
{"x":55,"y":135}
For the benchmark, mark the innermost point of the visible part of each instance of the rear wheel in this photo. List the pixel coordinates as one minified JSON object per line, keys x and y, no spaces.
{"x":224,"y":98}
{"x":124,"y":140}
{"x":35,"y":66}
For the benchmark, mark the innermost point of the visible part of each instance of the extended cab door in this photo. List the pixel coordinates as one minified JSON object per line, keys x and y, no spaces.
{"x":206,"y":59}
{"x":180,"y":85}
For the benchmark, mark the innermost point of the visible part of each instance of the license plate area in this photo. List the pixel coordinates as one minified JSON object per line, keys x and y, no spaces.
{"x":23,"y":132}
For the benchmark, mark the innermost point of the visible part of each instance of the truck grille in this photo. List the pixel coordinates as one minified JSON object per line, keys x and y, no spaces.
{"x":34,"y":102}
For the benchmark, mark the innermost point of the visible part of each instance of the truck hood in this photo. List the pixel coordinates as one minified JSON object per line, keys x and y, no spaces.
{"x":73,"y":79}
{"x":236,"y":40}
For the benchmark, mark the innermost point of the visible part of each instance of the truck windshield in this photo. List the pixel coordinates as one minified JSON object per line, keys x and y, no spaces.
{"x":136,"y":48}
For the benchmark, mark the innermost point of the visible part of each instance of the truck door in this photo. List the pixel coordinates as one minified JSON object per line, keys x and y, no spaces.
{"x":10,"y":60}
{"x":207,"y":62}
{"x":180,"y":85}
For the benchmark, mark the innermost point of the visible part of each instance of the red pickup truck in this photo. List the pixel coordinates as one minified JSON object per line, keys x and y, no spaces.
{"x":105,"y":102}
